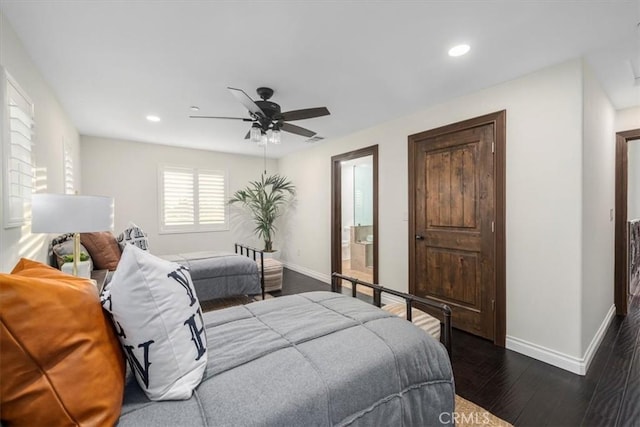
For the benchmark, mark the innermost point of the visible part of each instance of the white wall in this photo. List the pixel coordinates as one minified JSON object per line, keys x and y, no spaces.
{"x":628,"y":119}
{"x":128,"y":171}
{"x":598,"y":160}
{"x":53,"y":126}
{"x":544,"y":199}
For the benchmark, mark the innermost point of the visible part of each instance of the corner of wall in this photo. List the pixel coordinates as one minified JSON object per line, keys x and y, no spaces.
{"x":597,"y":236}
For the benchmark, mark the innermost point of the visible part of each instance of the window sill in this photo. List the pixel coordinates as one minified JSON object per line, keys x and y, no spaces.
{"x":192,"y":231}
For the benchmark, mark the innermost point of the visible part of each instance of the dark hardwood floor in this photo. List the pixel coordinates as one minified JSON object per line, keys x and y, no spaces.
{"x":527,"y":392}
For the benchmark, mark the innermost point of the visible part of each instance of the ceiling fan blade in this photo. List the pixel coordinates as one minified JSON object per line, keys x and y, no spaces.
{"x":288,"y":127}
{"x":307,"y":113}
{"x":248,"y":135}
{"x":244,"y":99}
{"x":244,"y":119}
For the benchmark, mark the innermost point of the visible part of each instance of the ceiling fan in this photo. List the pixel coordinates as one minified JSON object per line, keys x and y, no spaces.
{"x":267,"y":118}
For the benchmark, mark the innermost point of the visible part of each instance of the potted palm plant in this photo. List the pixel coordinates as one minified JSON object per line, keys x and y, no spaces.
{"x":264,"y":200}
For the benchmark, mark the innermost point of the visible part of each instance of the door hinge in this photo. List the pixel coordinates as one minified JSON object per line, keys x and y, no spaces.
{"x":493,"y":147}
{"x":493,"y":305}
{"x":493,"y":226}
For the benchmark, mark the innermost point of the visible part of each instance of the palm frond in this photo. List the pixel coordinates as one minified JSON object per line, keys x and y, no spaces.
{"x":264,"y":199}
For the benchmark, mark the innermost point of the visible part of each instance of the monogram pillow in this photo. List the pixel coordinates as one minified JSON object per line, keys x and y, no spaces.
{"x":158,"y":320}
{"x":135,"y":236}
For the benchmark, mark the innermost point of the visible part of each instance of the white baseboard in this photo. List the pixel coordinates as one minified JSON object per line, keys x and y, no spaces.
{"x":391,"y":299}
{"x":326,"y":278}
{"x":573,"y":364}
{"x":597,"y":338}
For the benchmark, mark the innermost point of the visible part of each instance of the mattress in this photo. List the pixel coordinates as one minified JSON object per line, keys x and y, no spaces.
{"x":313,"y":359}
{"x":220,"y":274}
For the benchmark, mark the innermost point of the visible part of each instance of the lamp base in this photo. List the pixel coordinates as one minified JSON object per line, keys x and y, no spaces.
{"x":76,"y":253}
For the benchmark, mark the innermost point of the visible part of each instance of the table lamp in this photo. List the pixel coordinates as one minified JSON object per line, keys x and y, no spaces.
{"x":66,"y":213}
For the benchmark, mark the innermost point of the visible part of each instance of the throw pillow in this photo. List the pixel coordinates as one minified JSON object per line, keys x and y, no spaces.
{"x":103,"y":249}
{"x":51,"y":257}
{"x":66,"y":248}
{"x":133,"y":235}
{"x":61,"y":362}
{"x":158,"y":316}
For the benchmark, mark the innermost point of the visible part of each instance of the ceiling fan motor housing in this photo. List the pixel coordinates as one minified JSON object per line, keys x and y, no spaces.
{"x":272,"y":113}
{"x":271,"y":109}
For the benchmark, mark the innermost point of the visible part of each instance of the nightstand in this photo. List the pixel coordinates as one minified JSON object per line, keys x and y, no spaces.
{"x":100,"y":277}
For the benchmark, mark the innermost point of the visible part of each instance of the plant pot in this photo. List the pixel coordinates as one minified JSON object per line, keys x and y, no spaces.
{"x":84,"y":269}
{"x":274,"y":255}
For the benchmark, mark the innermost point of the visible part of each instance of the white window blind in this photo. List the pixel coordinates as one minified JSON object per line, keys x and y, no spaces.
{"x":192,"y":199}
{"x":17,"y":155}
{"x":68,"y":169}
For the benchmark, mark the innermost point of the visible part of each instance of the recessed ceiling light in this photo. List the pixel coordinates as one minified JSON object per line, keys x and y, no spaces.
{"x":459,"y":50}
{"x":194,"y":108}
{"x":153,"y":118}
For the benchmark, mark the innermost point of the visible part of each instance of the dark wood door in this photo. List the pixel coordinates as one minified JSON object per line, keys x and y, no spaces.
{"x":454,"y":225}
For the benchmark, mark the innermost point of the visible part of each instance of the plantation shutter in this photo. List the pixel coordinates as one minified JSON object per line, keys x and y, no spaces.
{"x":178,"y":197}
{"x":68,"y":169}
{"x":211,"y":197}
{"x":19,"y":172}
{"x":193,"y":200}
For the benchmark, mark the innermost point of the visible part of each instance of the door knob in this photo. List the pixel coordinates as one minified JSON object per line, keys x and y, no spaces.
{"x":419,"y":237}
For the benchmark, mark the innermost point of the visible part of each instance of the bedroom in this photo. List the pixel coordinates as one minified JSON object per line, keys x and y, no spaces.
{"x":559,"y":266}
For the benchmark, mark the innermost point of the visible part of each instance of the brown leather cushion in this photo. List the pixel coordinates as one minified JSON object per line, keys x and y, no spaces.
{"x":103,"y":249}
{"x":61,"y":362}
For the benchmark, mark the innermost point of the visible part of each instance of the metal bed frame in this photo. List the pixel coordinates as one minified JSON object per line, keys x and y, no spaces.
{"x":241,"y":249}
{"x":336,"y":286}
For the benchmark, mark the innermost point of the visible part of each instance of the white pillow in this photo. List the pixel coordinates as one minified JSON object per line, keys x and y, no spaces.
{"x":158,"y":318}
{"x":133,"y":235}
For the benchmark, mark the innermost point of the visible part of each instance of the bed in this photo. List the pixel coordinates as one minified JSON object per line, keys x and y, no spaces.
{"x":214,"y":274}
{"x":223,"y":274}
{"x":313,"y":359}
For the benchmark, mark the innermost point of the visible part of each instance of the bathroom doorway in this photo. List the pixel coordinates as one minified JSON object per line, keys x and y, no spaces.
{"x":626,"y":258}
{"x":354,"y":214}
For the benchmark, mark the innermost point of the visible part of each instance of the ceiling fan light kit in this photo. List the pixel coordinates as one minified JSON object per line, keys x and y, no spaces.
{"x":267,"y":119}
{"x":255,"y":132}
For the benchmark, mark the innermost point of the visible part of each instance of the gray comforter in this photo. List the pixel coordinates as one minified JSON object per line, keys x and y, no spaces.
{"x":314,"y":359}
{"x":220,"y":274}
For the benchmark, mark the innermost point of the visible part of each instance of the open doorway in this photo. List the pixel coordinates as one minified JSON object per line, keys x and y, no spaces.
{"x":627,"y":164}
{"x":354,"y":218}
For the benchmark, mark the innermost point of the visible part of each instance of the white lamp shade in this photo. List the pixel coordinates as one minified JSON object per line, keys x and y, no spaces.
{"x":65,"y":213}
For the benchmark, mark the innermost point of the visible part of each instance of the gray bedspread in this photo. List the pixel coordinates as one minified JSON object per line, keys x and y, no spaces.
{"x":220,"y":274}
{"x":314,"y":359}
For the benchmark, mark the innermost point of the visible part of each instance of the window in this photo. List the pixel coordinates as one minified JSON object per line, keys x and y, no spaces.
{"x":17,"y":159}
{"x":192,"y":200}
{"x":67,"y":159}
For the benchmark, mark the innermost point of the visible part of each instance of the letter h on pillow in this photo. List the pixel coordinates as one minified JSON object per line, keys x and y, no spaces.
{"x":158,"y":319}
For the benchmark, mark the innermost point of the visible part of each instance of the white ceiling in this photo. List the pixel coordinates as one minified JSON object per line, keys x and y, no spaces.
{"x":113,"y":62}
